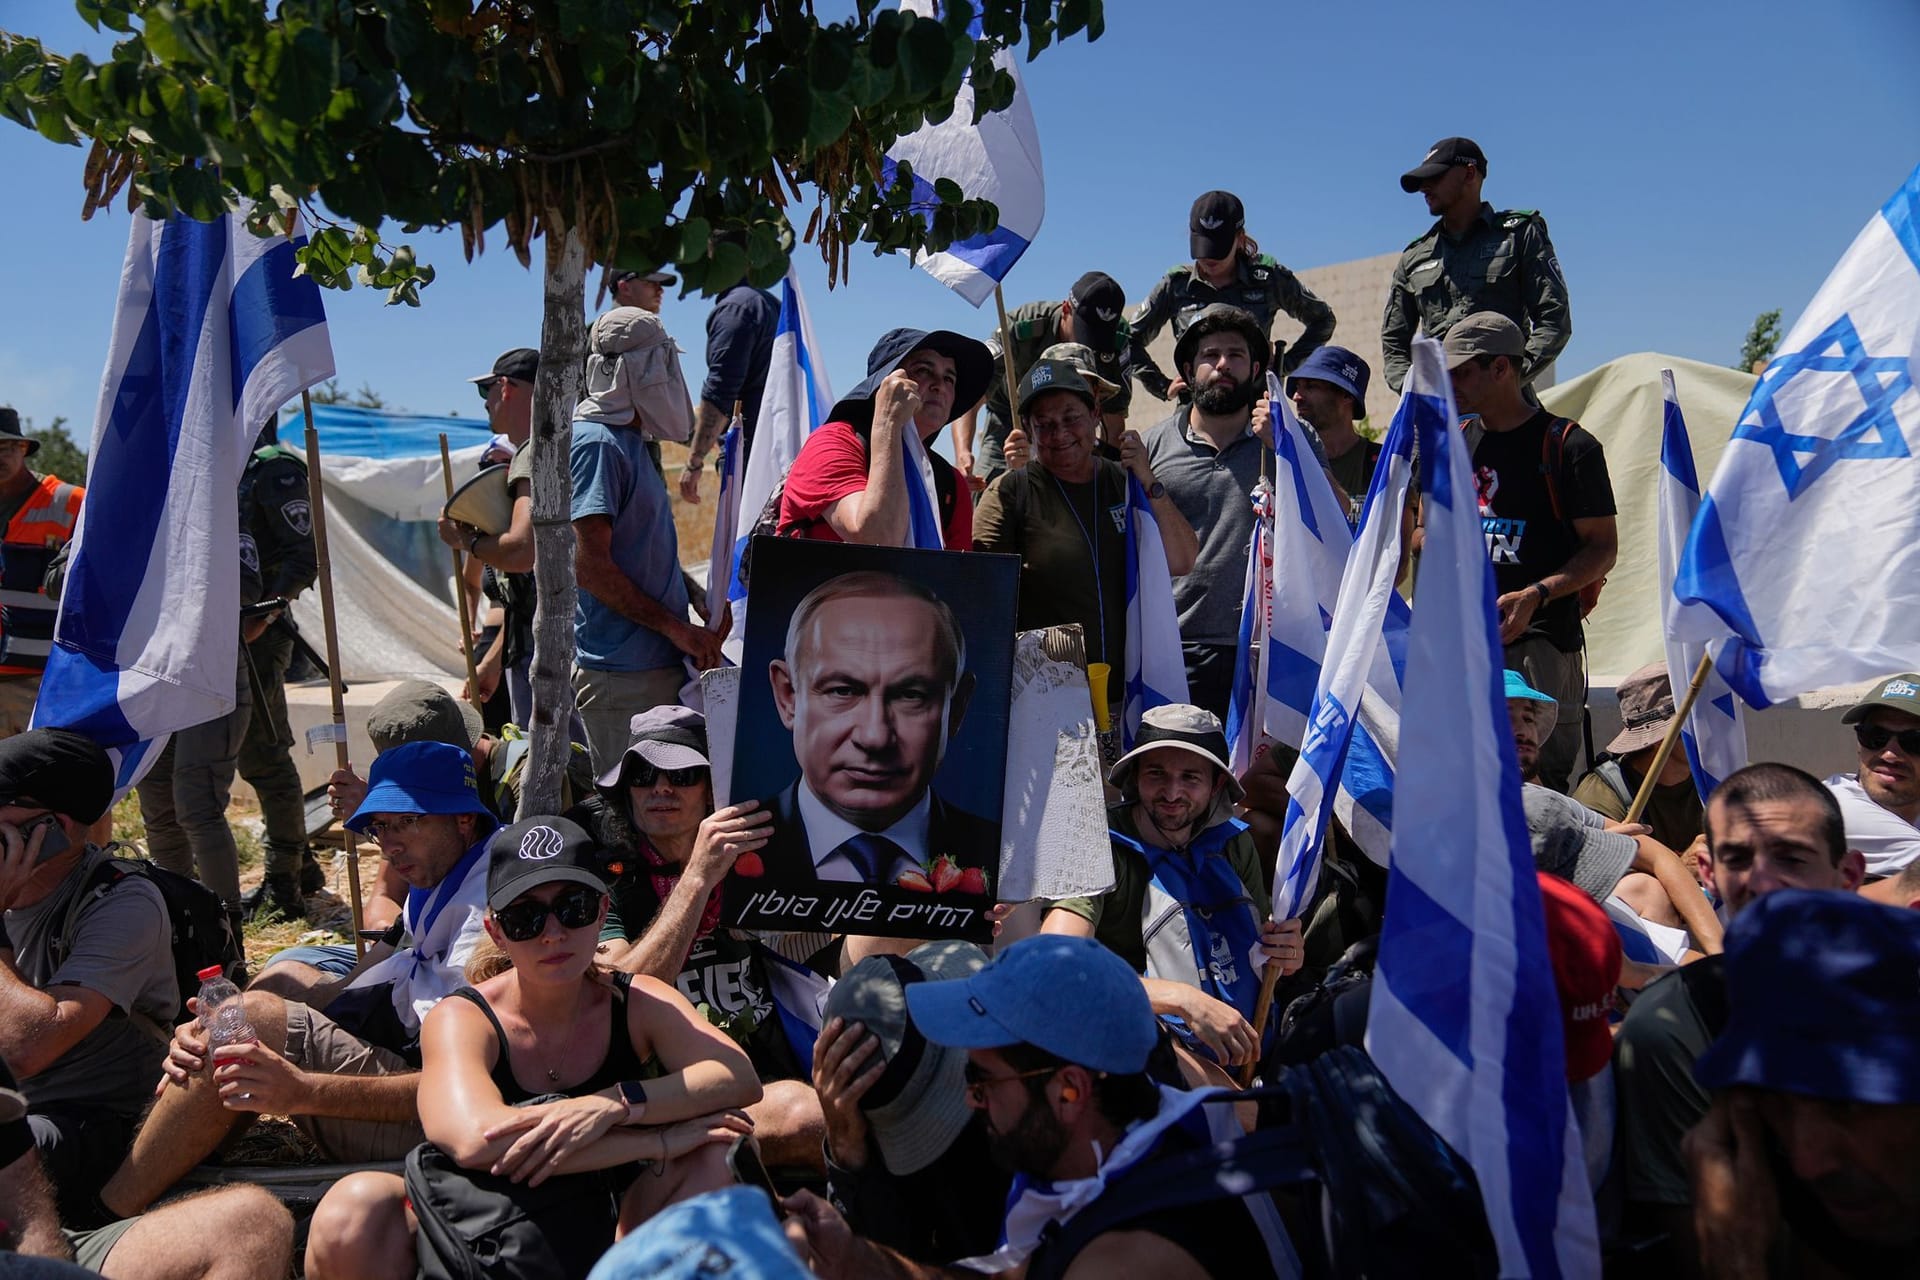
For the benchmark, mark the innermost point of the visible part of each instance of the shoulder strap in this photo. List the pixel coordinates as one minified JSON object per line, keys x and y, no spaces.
{"x":1610,"y":774}
{"x":1553,"y":456}
{"x":500,"y":1033}
{"x":104,"y":877}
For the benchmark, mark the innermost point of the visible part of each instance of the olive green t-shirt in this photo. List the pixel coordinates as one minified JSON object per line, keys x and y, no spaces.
{"x":1060,"y":531}
{"x":1674,"y":812}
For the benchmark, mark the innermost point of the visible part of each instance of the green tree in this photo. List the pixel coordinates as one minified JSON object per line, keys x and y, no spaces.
{"x":58,"y":455}
{"x":1763,"y":339}
{"x":620,"y":132}
{"x":366,"y":397}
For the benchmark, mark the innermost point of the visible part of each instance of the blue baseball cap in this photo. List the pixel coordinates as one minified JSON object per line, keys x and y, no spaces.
{"x":422,"y":777}
{"x":1823,"y":998}
{"x":1069,"y":996}
{"x":728,"y":1232}
{"x":1342,"y":368}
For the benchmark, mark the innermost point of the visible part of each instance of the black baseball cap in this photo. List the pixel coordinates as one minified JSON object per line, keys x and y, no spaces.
{"x":1215,"y":224}
{"x":1440,"y":157}
{"x":1097,"y":300}
{"x":10,"y":430}
{"x":1048,"y":376}
{"x":520,"y":364}
{"x":619,"y":278}
{"x":537,"y":851}
{"x":56,"y":769}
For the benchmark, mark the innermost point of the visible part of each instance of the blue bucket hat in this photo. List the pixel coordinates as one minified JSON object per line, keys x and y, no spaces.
{"x":1069,"y":996}
{"x":730,"y":1232}
{"x":1342,"y":368}
{"x":1823,"y":1001}
{"x":422,"y":777}
{"x":972,"y":370}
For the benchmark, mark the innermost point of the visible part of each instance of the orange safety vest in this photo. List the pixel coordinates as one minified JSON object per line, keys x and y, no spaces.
{"x":38,"y":530}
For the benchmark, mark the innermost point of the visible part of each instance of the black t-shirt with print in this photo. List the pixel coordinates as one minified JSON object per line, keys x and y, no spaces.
{"x":1524,"y":538}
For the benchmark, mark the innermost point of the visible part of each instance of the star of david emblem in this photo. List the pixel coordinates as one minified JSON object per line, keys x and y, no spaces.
{"x":1874,"y":433}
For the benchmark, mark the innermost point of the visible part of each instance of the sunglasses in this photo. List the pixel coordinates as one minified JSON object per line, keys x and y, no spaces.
{"x":643,"y":773}
{"x":978,"y":1081}
{"x":526,"y":919}
{"x":1875,"y":737}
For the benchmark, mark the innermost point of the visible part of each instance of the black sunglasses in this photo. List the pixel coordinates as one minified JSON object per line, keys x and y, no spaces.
{"x":526,"y":919}
{"x":1875,"y":737}
{"x":485,"y":387}
{"x":643,"y":773}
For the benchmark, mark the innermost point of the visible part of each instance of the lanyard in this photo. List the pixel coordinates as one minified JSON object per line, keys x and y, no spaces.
{"x":1093,"y":549}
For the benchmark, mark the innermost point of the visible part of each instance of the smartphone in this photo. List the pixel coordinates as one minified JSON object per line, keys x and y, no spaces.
{"x":54,"y":843}
{"x":744,"y":1159}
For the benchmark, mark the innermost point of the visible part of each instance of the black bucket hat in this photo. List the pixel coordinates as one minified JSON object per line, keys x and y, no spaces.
{"x":972,"y":366}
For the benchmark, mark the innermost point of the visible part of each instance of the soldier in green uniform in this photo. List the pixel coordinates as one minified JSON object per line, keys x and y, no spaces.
{"x":1472,"y":259}
{"x":273,"y":495}
{"x":1227,"y":267}
{"x":1091,"y":316}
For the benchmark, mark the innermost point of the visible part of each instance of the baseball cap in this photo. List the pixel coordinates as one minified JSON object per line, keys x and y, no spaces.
{"x":1085,"y":363}
{"x":666,"y":737}
{"x":56,"y":769}
{"x":1646,"y":709}
{"x":1901,"y":692}
{"x":1216,"y":318}
{"x":1440,"y":157}
{"x":1585,"y":951}
{"x":10,"y":429}
{"x":1484,"y":333}
{"x":918,"y":1106}
{"x":1070,"y":997}
{"x":1822,"y":1000}
{"x":1097,"y":301}
{"x":1185,"y":727}
{"x":1340,"y":367}
{"x":1215,"y":224}
{"x":537,"y":851}
{"x":730,"y":1232}
{"x":1518,"y":688}
{"x":520,"y":364}
{"x":422,"y":777}
{"x":651,"y":277}
{"x":1048,"y":376}
{"x":1571,"y":841}
{"x":421,"y":711}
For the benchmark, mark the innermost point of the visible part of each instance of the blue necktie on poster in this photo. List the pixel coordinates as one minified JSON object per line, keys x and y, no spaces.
{"x":1807,"y":545}
{"x":212,"y":334}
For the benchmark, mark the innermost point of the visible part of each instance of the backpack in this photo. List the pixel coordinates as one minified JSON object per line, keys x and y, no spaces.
{"x":633,"y":367}
{"x":1553,"y":462}
{"x":202,"y":932}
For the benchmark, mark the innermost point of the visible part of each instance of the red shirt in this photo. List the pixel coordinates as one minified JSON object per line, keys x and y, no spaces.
{"x":833,"y":464}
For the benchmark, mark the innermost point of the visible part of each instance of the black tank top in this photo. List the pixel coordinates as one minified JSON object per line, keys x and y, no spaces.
{"x":621,"y":1063}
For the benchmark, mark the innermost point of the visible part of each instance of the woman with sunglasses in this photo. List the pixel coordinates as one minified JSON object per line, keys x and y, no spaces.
{"x":548,"y":1069}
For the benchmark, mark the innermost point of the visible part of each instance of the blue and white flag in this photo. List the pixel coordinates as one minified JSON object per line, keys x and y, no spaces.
{"x":726,"y":519}
{"x":1156,"y":665}
{"x":794,"y":405}
{"x":1247,"y":700}
{"x":1820,"y":468}
{"x":1464,"y":1020}
{"x":212,"y":334}
{"x":1715,"y":734}
{"x":997,"y":159}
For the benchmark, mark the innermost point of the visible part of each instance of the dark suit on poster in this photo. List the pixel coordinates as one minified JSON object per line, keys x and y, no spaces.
{"x":969,"y":840}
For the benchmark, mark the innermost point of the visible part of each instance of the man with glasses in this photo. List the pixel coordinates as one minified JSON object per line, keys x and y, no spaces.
{"x":1881,"y":802}
{"x":37,"y":514}
{"x":642,"y":289}
{"x":342,"y":1058}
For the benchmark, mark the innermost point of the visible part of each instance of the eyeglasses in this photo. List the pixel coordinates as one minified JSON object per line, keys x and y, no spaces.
{"x":381,"y":828}
{"x":1875,"y":737}
{"x":485,"y":387}
{"x":978,"y":1081}
{"x":643,"y":773}
{"x":526,"y":919}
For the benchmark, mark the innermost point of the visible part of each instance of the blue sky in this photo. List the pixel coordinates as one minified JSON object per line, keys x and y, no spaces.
{"x":1697,"y":163}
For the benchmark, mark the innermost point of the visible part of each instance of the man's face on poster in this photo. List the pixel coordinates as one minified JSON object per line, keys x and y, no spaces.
{"x":870,"y":693}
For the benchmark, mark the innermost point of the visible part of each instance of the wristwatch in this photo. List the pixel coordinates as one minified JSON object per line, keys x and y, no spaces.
{"x":634,"y":1094}
{"x":1546,"y":596}
{"x":1157,"y":492}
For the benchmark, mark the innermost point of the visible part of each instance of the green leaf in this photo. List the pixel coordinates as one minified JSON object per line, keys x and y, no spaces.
{"x":948,"y":190}
{"x":829,"y":120}
{"x":694,"y":234}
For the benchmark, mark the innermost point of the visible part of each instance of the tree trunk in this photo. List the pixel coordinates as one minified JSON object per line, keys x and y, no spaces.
{"x":563,"y":346}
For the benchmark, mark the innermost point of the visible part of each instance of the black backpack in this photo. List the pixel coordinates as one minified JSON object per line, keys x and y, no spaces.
{"x":202,"y":933}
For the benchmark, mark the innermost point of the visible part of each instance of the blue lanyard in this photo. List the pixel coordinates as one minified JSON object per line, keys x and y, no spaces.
{"x":1093,"y":549}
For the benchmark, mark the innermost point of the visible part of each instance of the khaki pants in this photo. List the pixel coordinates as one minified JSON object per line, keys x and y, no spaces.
{"x":608,"y":700}
{"x":1563,"y":677}
{"x":316,"y":1043}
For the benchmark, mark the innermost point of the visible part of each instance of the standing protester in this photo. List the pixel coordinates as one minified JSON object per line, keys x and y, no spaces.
{"x":1329,"y":392}
{"x":1229,"y":268}
{"x":1473,"y":259}
{"x":1674,"y":810}
{"x":1091,"y":316}
{"x":37,"y":514}
{"x":1881,"y":800}
{"x":275,"y":506}
{"x":740,"y":333}
{"x":645,"y":290}
{"x":1547,"y":504}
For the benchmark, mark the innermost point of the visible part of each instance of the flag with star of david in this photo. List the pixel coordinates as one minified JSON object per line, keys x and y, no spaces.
{"x":1807,"y":545}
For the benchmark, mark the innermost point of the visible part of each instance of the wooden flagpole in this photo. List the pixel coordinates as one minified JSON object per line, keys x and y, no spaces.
{"x":460,"y":585}
{"x":1674,"y":729}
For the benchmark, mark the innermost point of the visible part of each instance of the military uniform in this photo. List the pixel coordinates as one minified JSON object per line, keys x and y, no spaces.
{"x":1261,"y":286}
{"x":273,"y":496}
{"x":1034,"y":327}
{"x":1504,"y":263}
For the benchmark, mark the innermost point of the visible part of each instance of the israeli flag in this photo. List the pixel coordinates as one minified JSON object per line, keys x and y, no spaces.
{"x":726,"y":519}
{"x":1247,"y":700}
{"x":1807,"y":546}
{"x":1715,"y":734}
{"x":1335,"y":652}
{"x":1156,"y":665}
{"x":212,"y":334}
{"x":1464,"y":1020}
{"x":795,"y":404}
{"x":997,"y":159}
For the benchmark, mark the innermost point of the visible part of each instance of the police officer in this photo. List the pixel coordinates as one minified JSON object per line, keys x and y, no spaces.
{"x":273,"y":494}
{"x":1227,"y":267}
{"x":1473,"y":259}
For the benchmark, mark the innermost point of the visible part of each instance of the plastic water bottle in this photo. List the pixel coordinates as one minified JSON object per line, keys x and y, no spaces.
{"x":215,"y":990}
{"x":230,"y":1026}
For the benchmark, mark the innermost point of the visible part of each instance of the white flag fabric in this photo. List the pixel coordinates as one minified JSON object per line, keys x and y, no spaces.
{"x":212,"y":334}
{"x":997,"y":159}
{"x":1247,"y":700}
{"x":1156,"y":671}
{"x":726,"y":519}
{"x":1715,"y":735}
{"x":1464,"y":1019}
{"x":794,"y":405}
{"x":1808,"y":543}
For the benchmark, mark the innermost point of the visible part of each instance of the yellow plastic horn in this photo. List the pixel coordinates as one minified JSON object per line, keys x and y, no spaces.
{"x":1097,"y":673}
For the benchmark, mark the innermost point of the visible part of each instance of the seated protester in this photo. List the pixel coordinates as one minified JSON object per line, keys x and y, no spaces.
{"x":1881,"y":800}
{"x":1188,"y":908}
{"x":1585,"y":952}
{"x":1673,"y":812}
{"x":909,"y":1163}
{"x":1531,"y":714}
{"x":1809,"y":1158}
{"x":341,"y":1060}
{"x":1769,"y":826}
{"x":658,"y":820}
{"x":1902,"y":890}
{"x":87,"y":985}
{"x":1059,"y":1032}
{"x":856,"y":478}
{"x":544,"y":1070}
